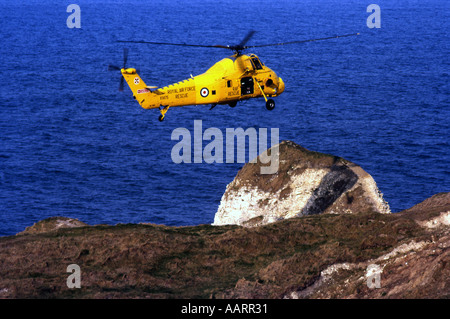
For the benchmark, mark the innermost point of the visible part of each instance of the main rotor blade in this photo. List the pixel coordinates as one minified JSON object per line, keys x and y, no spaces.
{"x":247,"y":37}
{"x":178,"y":44}
{"x":301,"y":41}
{"x":240,"y":46}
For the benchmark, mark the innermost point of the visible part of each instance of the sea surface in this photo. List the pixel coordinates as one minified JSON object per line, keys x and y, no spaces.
{"x":72,"y":145}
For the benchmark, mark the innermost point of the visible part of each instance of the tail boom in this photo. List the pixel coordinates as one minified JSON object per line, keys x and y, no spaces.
{"x":140,"y":90}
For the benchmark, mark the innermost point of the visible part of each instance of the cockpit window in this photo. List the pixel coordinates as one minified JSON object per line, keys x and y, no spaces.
{"x":257,"y":63}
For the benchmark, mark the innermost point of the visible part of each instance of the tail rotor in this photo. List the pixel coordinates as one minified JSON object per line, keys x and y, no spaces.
{"x":116,"y":68}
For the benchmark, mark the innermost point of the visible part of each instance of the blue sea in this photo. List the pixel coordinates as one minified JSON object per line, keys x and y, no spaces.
{"x":72,"y":145}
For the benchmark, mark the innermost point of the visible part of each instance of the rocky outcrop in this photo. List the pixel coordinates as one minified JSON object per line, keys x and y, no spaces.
{"x":306,"y":183}
{"x":52,"y":224}
{"x":415,"y":269}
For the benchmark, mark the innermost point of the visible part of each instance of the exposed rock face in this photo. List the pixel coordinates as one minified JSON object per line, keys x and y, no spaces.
{"x":307,"y":183}
{"x":415,"y":268}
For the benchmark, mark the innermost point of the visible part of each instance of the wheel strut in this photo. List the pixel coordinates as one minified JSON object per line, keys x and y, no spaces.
{"x":163,"y":112}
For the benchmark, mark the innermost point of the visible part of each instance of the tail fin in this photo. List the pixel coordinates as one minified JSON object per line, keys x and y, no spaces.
{"x":136,"y":84}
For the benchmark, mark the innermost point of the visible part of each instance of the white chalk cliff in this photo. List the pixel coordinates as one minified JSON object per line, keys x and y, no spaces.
{"x":306,"y":183}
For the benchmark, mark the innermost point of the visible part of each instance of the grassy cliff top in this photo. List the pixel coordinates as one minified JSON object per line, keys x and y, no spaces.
{"x":155,"y":261}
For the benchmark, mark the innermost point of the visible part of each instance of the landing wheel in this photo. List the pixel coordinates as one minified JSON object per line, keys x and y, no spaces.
{"x":270,"y":104}
{"x":232,"y":104}
{"x":161,"y":118}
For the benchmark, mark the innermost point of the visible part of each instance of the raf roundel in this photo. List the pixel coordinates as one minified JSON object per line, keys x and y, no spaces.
{"x":204,"y":92}
{"x":136,"y":80}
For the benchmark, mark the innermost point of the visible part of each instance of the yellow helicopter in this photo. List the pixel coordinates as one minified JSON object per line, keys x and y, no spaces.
{"x":233,"y":79}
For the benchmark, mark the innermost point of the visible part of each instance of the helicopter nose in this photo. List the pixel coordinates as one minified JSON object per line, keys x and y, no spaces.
{"x":280,"y":86}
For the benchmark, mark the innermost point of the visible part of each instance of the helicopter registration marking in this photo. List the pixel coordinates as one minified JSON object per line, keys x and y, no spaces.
{"x":181,"y":96}
{"x":143,"y":91}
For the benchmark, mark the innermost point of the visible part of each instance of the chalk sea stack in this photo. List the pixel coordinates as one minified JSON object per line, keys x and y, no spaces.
{"x":306,"y":183}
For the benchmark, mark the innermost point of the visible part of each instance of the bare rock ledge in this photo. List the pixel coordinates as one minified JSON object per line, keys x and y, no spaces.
{"x":306,"y":183}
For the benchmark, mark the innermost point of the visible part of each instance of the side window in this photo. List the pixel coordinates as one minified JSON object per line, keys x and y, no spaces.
{"x":229,"y":83}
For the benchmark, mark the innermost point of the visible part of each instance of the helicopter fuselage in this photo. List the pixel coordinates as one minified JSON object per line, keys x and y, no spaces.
{"x":230,"y":80}
{"x":238,"y":77}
